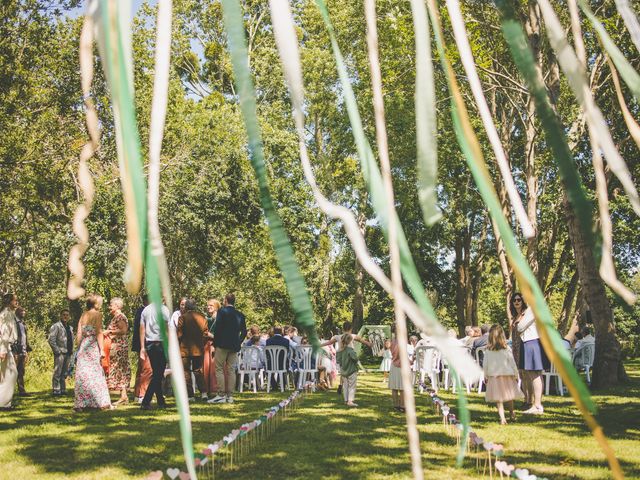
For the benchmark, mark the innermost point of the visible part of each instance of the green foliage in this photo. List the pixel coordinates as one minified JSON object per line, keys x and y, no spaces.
{"x":213,"y":230}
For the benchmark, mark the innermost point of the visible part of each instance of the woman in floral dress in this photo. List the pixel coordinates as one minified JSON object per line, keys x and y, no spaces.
{"x":119,"y":376}
{"x":91,"y":386}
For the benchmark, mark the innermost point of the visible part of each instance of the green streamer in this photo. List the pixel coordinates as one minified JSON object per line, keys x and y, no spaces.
{"x":627,"y":72}
{"x":473,"y":153}
{"x":426,"y":123}
{"x":554,"y":131}
{"x":117,"y":65}
{"x":233,"y":19}
{"x":373,"y":180}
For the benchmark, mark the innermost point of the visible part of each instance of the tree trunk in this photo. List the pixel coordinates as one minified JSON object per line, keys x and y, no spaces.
{"x":468,"y":288}
{"x":505,"y":269}
{"x":567,"y":304}
{"x":532,"y":26}
{"x":460,"y":284}
{"x":357,"y":316}
{"x":608,"y":369}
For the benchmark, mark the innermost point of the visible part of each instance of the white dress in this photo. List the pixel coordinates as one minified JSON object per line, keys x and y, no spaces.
{"x":8,"y":370}
{"x":385,"y":365}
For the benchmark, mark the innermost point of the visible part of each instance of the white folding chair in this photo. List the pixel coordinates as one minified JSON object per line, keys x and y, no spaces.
{"x":249,"y":363}
{"x":480,"y":354}
{"x":307,"y":366}
{"x":547,"y":380}
{"x":583,"y":359}
{"x":275,"y":358}
{"x":428,"y":364}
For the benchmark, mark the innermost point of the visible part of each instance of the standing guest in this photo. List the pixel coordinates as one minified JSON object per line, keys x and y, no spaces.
{"x":61,"y":342}
{"x":91,"y":389}
{"x":176,"y":315}
{"x":151,"y":346}
{"x":395,"y":374}
{"x":192,"y":332}
{"x":143,"y":372}
{"x":532,"y":357}
{"x":501,"y":372}
{"x":21,"y":349}
{"x":8,"y":336}
{"x":516,"y":341}
{"x":385,"y":365}
{"x":230,"y":330}
{"x":347,"y":327}
{"x":348,"y":359}
{"x":119,"y":377}
{"x":208,"y":364}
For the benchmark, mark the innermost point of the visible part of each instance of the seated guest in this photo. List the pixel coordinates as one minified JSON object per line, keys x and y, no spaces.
{"x":472,"y":334}
{"x":587,"y":338}
{"x":277,"y":339}
{"x":293,"y":335}
{"x":481,"y":341}
{"x":253,"y":332}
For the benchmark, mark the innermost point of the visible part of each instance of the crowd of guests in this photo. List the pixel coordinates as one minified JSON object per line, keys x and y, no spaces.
{"x":210,"y":343}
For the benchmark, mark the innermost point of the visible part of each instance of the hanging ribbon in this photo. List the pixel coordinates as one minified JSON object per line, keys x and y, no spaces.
{"x":233,"y":19}
{"x":426,"y":120}
{"x":75,"y":289}
{"x":466,"y":55}
{"x":286,"y":40}
{"x":629,"y":75}
{"x":601,"y":137}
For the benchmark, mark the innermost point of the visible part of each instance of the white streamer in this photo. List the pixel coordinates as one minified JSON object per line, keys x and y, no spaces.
{"x":287,"y":43}
{"x":600,"y":138}
{"x":460,"y":34}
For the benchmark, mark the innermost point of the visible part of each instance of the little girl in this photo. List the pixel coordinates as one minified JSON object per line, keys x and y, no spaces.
{"x":385,"y":365}
{"x":501,"y":373}
{"x":348,"y":360}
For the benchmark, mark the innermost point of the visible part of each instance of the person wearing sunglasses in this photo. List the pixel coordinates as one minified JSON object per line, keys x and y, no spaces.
{"x":532,"y":357}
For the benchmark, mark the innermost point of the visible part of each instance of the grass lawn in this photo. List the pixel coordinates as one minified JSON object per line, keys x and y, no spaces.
{"x":43,"y":438}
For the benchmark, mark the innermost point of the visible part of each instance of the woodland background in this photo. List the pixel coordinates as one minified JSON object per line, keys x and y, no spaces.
{"x":215,"y":236}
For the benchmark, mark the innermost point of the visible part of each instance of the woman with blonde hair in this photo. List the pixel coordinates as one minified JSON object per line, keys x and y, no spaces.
{"x":119,"y":376}
{"x":91,"y":389}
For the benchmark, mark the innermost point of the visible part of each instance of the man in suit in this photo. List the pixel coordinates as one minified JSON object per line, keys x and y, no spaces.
{"x":192,"y":331}
{"x":231,"y":329}
{"x":61,"y":342}
{"x":21,"y":349}
{"x":278,"y":340}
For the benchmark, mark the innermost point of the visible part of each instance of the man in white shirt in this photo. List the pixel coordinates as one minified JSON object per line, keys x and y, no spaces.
{"x":151,"y":345}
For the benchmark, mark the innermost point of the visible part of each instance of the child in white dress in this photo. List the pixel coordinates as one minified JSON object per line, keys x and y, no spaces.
{"x":385,"y":365}
{"x":501,"y":373}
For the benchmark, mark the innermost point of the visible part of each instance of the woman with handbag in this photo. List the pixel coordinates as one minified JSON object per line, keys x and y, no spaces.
{"x":8,"y":336}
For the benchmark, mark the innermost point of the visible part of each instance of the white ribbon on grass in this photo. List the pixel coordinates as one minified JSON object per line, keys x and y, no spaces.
{"x":466,"y":55}
{"x":287,"y":42}
{"x":600,"y":137}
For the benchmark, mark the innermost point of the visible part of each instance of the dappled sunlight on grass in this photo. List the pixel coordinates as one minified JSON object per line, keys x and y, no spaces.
{"x":43,"y":438}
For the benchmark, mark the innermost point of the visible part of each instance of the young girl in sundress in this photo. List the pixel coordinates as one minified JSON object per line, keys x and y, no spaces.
{"x":385,"y":365}
{"x":501,"y":373}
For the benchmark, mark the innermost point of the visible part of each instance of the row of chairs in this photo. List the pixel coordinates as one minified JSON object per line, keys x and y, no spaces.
{"x":430,"y":364}
{"x":280,"y":364}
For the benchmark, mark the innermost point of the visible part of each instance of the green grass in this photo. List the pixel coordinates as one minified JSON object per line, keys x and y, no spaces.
{"x":43,"y":438}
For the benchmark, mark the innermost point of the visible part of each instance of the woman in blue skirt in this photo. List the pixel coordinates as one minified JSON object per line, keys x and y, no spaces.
{"x":532,"y":357}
